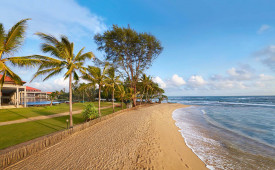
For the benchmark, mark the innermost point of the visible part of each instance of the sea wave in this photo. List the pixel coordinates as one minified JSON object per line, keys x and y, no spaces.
{"x":220,"y":147}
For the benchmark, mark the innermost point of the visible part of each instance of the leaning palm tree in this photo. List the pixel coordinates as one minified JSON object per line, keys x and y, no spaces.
{"x":10,"y":42}
{"x":97,"y":76}
{"x":113,"y":81}
{"x":63,"y":59}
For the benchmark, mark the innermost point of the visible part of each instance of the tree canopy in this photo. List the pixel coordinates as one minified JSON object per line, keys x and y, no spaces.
{"x":132,"y":51}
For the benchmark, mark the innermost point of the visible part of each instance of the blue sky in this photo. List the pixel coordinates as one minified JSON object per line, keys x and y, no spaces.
{"x":211,"y":47}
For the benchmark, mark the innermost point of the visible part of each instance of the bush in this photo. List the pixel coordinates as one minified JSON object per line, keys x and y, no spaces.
{"x":90,"y":112}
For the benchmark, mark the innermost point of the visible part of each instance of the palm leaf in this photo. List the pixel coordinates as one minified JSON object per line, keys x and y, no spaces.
{"x":15,"y":36}
{"x":2,"y":37}
{"x":48,"y":38}
{"x":23,"y":61}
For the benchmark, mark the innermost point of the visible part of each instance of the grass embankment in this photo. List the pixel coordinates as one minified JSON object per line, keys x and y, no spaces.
{"x":21,"y":113}
{"x":17,"y":133}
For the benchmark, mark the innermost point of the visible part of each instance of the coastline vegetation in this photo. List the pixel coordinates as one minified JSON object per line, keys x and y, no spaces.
{"x":120,"y":77}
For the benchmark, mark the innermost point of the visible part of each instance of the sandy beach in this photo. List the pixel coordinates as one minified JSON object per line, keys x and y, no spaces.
{"x":145,"y":138}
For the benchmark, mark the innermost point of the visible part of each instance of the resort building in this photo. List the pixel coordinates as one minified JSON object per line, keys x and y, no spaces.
{"x":14,"y":95}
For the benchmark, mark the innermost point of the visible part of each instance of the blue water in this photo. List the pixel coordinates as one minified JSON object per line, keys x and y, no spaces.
{"x":41,"y":103}
{"x":229,"y":132}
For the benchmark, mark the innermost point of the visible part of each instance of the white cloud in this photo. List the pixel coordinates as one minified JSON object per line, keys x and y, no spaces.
{"x":50,"y":85}
{"x":264,"y":77}
{"x":195,"y":81}
{"x":226,"y":85}
{"x":267,"y":56}
{"x":52,"y":16}
{"x":242,"y":73}
{"x":263,"y":28}
{"x":159,"y":81}
{"x":177,"y":80}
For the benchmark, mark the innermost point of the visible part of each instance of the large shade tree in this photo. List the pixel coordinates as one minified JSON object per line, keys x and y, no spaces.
{"x":63,"y":59}
{"x":96,"y":75}
{"x":132,"y":51}
{"x":10,"y":43}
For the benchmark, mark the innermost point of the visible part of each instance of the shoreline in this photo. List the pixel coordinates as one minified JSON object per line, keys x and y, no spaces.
{"x":180,"y":156}
{"x":146,"y":137}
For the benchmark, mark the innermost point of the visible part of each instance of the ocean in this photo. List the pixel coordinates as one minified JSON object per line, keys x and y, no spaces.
{"x":232,"y":132}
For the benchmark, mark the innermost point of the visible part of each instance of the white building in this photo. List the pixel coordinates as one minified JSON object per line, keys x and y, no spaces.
{"x":14,"y":95}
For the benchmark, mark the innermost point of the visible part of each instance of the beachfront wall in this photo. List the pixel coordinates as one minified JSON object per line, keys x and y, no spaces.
{"x":18,"y":152}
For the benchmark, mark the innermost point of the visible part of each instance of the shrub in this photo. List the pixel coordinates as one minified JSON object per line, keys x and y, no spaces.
{"x":90,"y":112}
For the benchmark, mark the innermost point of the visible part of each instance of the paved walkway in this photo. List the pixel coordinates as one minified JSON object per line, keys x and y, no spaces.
{"x":46,"y":117}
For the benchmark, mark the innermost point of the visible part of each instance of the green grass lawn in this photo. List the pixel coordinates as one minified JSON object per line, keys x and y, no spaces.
{"x":17,"y":133}
{"x":21,"y":113}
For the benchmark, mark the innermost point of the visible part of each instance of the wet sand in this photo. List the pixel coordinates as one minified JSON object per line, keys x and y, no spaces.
{"x":145,"y":138}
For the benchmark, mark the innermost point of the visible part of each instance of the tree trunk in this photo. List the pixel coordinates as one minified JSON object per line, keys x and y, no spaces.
{"x":135,"y":99}
{"x":51,"y":102}
{"x":99,"y":91}
{"x":71,"y":101}
{"x":113,"y":96}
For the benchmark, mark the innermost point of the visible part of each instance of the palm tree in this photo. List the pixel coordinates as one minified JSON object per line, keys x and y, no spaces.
{"x":97,"y":76}
{"x":82,"y":88}
{"x":113,"y":81}
{"x":63,"y":59}
{"x":122,"y":94}
{"x":53,"y":96}
{"x":146,"y":82}
{"x":10,"y":42}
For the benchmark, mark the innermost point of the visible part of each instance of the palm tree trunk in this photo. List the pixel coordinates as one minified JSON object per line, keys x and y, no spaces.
{"x":99,"y":89}
{"x":51,"y":102}
{"x":71,"y":101}
{"x":113,"y":94}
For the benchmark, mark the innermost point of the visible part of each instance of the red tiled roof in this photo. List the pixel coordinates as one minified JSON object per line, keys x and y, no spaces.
{"x":49,"y":92}
{"x":32,"y":89}
{"x":8,"y":79}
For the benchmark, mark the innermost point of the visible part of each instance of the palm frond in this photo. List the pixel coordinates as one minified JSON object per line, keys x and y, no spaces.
{"x":53,"y":50}
{"x":2,"y":37}
{"x":2,"y":80}
{"x":82,"y":57}
{"x":57,"y":71}
{"x":48,"y":38}
{"x":14,"y":76}
{"x":15,"y":36}
{"x":23,"y":61}
{"x":45,"y":71}
{"x":76,"y":77}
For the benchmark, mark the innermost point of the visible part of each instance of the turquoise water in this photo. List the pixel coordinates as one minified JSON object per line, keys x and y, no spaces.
{"x":229,"y":132}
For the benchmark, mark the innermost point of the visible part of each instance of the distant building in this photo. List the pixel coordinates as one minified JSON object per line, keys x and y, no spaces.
{"x":16,"y":95}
